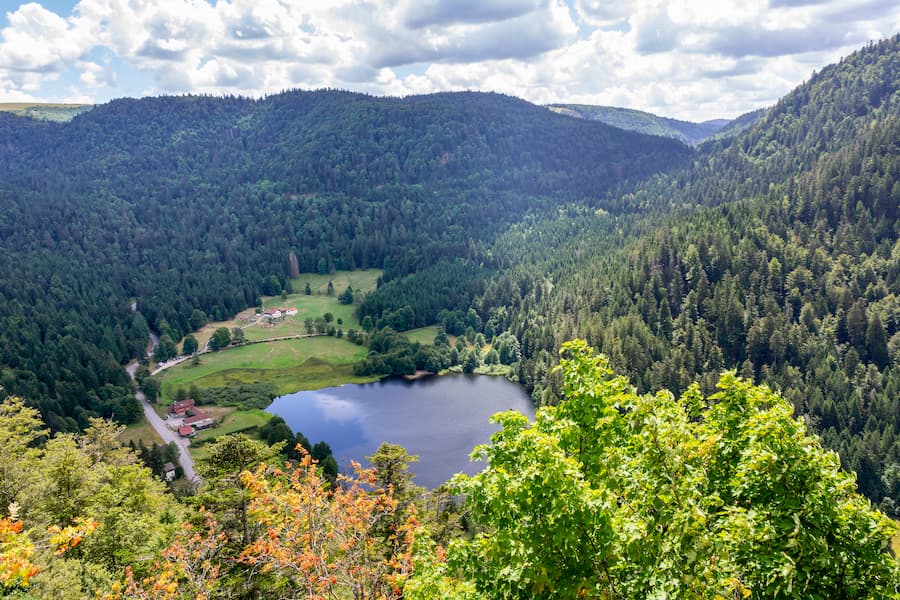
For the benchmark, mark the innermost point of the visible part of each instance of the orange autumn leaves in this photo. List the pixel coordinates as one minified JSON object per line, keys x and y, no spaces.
{"x":15,"y":554}
{"x":322,"y":543}
{"x":316,"y":541}
{"x":16,"y":547}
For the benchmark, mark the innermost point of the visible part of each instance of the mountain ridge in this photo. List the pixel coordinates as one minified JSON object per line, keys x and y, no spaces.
{"x":687,"y":132}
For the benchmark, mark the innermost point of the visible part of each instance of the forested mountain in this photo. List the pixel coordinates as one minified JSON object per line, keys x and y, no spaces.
{"x":193,"y":203}
{"x":740,"y":123}
{"x":774,"y":253}
{"x":644,"y":122}
{"x":781,"y":260}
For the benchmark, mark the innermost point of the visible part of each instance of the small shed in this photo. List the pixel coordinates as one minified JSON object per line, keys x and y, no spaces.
{"x":169,"y":471}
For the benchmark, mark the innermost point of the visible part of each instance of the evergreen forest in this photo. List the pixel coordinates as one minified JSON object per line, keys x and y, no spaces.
{"x":726,"y":424}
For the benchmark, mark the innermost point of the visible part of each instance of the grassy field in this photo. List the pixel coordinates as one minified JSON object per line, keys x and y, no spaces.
{"x":45,"y":111}
{"x":290,"y":365}
{"x":313,"y":306}
{"x":423,"y":335}
{"x":232,"y":422}
{"x":895,"y":544}
{"x":140,"y":431}
{"x":362,"y":281}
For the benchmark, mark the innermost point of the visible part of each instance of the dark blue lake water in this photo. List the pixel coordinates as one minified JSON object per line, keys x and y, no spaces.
{"x":439,"y":418}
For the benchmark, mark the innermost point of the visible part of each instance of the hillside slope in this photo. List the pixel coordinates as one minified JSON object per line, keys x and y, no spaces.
{"x":643,"y":122}
{"x":776,"y":253}
{"x":193,"y":203}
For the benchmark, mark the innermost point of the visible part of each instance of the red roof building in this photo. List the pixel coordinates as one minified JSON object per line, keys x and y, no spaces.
{"x":185,"y":431}
{"x":200,"y":420}
{"x":180,"y":407}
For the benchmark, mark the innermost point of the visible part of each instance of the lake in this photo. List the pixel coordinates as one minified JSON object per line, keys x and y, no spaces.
{"x":439,"y":418}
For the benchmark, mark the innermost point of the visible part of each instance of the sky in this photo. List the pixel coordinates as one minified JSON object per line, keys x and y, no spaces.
{"x":687,"y":59}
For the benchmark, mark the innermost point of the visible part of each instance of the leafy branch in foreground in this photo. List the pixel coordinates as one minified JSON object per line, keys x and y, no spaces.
{"x":616,"y":495}
{"x":311,"y":539}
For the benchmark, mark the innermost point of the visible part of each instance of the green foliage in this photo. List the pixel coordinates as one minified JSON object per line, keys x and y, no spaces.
{"x":165,"y":349}
{"x":190,"y":345}
{"x":276,"y":431}
{"x":772,"y":255}
{"x":221,"y":337}
{"x":391,"y":463}
{"x":391,"y":353}
{"x":227,"y":496}
{"x":65,"y":483}
{"x":614,"y":494}
{"x":346,"y":297}
{"x":420,"y":298}
{"x":243,"y":396}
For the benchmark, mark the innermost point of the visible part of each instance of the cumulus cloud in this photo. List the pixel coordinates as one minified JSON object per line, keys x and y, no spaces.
{"x":423,"y":13}
{"x":38,"y":40}
{"x":679,"y":58}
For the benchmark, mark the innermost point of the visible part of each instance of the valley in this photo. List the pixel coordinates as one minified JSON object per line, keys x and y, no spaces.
{"x":709,"y":336}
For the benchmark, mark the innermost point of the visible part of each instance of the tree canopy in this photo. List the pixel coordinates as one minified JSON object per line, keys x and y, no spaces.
{"x":612,"y":494}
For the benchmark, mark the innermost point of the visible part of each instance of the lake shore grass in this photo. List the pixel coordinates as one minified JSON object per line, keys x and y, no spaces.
{"x":289,"y":365}
{"x":247,"y":422}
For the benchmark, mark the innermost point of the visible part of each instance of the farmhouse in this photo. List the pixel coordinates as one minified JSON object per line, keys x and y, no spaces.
{"x":272,"y":313}
{"x":200,"y":420}
{"x":290,"y":311}
{"x":180,"y":407}
{"x":186,"y":431}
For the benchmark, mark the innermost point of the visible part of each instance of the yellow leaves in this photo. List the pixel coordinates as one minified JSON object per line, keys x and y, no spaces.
{"x":16,"y":549}
{"x":738,"y":587}
{"x":66,"y":538}
{"x":188,"y":568}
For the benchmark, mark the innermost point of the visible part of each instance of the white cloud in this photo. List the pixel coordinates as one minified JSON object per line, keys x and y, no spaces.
{"x":679,"y":58}
{"x":38,"y":40}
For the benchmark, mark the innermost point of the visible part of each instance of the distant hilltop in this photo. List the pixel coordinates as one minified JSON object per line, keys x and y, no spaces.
{"x":686,"y":132}
{"x":44,"y":111}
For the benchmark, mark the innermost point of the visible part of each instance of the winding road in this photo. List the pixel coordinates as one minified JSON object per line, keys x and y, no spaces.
{"x":158,"y":423}
{"x":167,"y":435}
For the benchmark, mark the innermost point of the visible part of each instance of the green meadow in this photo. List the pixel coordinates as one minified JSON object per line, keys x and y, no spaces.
{"x":313,"y":306}
{"x":241,"y":421}
{"x":362,"y":281}
{"x":289,"y":365}
{"x":44,"y":111}
{"x":423,"y":335}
